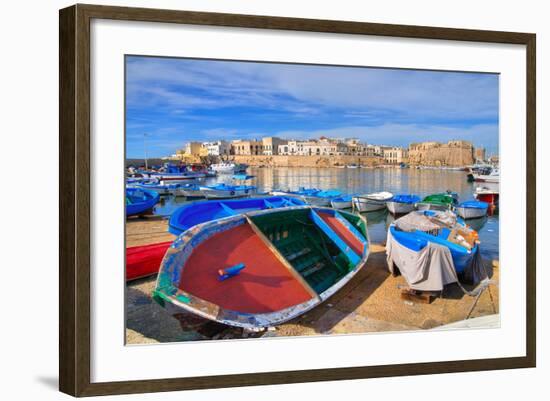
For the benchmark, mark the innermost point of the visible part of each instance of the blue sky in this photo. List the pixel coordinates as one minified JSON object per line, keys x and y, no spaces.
{"x":175,"y":101}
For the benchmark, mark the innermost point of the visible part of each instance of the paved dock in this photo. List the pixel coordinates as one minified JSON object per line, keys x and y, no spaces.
{"x":370,"y":302}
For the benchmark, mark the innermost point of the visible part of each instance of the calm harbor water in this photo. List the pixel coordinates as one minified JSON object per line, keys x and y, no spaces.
{"x":357,"y":181}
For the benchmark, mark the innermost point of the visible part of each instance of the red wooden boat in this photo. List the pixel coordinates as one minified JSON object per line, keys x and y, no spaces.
{"x":143,"y":261}
{"x":263,"y":268}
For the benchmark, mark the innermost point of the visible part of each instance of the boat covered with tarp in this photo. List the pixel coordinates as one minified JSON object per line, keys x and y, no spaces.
{"x":434,"y":248}
{"x":190,"y":215}
{"x":263,"y":268}
{"x":140,"y":201}
{"x":402,"y":203}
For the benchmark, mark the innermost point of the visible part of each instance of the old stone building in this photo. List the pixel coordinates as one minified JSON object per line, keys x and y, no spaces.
{"x":452,"y":153}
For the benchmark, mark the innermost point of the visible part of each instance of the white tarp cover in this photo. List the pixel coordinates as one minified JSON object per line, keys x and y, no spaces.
{"x":429,"y":269}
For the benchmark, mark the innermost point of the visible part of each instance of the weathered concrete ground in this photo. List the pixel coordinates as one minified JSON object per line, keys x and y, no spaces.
{"x":370,"y":302}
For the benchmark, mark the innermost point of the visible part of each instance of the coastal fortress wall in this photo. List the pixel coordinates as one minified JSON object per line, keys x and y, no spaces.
{"x":306,"y":161}
{"x":453,"y":153}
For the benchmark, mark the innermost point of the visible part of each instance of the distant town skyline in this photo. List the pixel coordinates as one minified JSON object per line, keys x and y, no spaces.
{"x":175,"y":101}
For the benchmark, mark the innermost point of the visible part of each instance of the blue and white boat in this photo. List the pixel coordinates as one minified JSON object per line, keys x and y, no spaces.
{"x":140,"y":201}
{"x":371,"y":202}
{"x":341,"y":202}
{"x":190,"y":190}
{"x":224,"y":191}
{"x":418,"y":228}
{"x":402,"y":203}
{"x":161,"y":188}
{"x":199,"y":212}
{"x":472,"y":209}
{"x":311,"y":196}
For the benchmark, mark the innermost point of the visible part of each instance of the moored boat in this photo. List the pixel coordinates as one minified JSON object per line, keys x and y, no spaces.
{"x":441,"y":201}
{"x":200,"y":212}
{"x":492,"y":176}
{"x":187,"y":190}
{"x":229,"y":168}
{"x":264,"y":268}
{"x":402,"y":203}
{"x":342,"y":202}
{"x":410,"y":236}
{"x":224,"y":191}
{"x":140,"y":201}
{"x":487,"y":194}
{"x":311,"y":196}
{"x":371,"y":202}
{"x":472,"y":209}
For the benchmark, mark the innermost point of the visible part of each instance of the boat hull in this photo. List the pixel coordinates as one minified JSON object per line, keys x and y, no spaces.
{"x":142,"y":201}
{"x":209,"y":193}
{"x":368,"y":205}
{"x":470,"y":212}
{"x":269,"y":290}
{"x":400,"y":207}
{"x":341,"y":204}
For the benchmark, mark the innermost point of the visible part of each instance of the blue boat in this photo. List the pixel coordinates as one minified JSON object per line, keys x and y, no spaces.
{"x":160,"y":188}
{"x":415,"y":230}
{"x":312,"y":196}
{"x":199,"y":212}
{"x":140,"y":201}
{"x":224,"y":191}
{"x":402,"y":203}
{"x":341,"y":202}
{"x":472,"y":209}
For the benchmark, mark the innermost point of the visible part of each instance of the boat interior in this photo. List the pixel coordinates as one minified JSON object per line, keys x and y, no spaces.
{"x":289,"y":257}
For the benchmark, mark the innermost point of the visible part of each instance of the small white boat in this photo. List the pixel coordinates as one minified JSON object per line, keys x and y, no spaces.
{"x":472,"y":209}
{"x":188,"y":190}
{"x":371,"y":202}
{"x":341,"y":202}
{"x":228,"y":168}
{"x":222,"y":191}
{"x":402,"y":204}
{"x":352,"y":166}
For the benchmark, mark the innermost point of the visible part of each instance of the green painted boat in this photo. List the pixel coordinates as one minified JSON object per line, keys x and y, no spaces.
{"x":289,"y":260}
{"x":442,"y":201}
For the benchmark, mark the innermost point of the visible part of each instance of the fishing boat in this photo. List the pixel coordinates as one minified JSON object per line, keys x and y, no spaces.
{"x":402,"y":204}
{"x":200,"y":212}
{"x":416,"y":230}
{"x":187,"y":190}
{"x":140,"y":201}
{"x":229,"y":168}
{"x":224,"y":191}
{"x":472,"y":209}
{"x":434,"y":248}
{"x":441,"y":201}
{"x":311,"y":196}
{"x":264,"y":268}
{"x":160,"y":187}
{"x":371,"y":202}
{"x":341,"y":202}
{"x":487,"y":194}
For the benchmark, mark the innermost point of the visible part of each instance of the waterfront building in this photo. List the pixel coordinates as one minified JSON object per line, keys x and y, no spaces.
{"x":271,"y":145}
{"x":217,"y":148}
{"x":452,"y":153}
{"x":247,"y":148}
{"x":394,"y":155}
